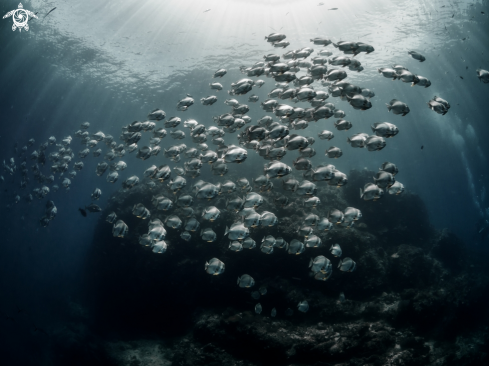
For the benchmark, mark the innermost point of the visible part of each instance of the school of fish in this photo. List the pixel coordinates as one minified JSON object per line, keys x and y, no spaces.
{"x":271,"y":138}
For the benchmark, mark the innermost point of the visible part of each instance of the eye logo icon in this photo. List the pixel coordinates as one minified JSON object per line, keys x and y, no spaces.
{"x":20,"y":17}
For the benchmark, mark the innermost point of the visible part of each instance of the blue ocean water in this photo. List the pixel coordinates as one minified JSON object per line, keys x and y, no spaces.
{"x":112,"y":62}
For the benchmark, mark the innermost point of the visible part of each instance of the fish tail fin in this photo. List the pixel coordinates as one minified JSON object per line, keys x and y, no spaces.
{"x":310,"y":263}
{"x":361,"y":193}
{"x":389,"y":107}
{"x":206,"y":265}
{"x":226,"y":231}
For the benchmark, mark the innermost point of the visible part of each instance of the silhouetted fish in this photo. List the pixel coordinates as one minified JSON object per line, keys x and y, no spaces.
{"x":83,"y":212}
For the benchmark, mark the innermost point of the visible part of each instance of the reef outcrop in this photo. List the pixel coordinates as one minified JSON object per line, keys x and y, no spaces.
{"x":418,"y":296}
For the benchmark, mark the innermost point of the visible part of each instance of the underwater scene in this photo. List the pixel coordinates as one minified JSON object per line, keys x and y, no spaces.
{"x":244,"y":182}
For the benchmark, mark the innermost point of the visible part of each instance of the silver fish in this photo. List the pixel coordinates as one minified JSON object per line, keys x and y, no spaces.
{"x":336,"y":250}
{"x":246,"y":281}
{"x":214,"y":267}
{"x":303,"y":306}
{"x":347,"y":265}
{"x":208,"y":235}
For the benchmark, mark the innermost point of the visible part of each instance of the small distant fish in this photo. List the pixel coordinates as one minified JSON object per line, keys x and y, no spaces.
{"x":320,"y":4}
{"x":422,"y":147}
{"x":342,"y":297}
{"x":303,"y":306}
{"x":347,"y":265}
{"x":333,"y":9}
{"x":120,"y":229}
{"x":417,"y":56}
{"x":205,"y":11}
{"x":453,"y":15}
{"x":92,"y":208}
{"x":483,"y":75}
{"x":245,"y":281}
{"x":156,"y":114}
{"x":439,"y":105}
{"x":83,"y":212}
{"x":220,"y":73}
{"x":214,"y":267}
{"x":461,"y":77}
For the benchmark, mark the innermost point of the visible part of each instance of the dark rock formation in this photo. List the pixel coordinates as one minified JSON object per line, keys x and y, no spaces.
{"x":418,"y":296}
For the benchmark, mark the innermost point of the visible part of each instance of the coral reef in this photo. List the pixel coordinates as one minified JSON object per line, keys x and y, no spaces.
{"x":417,"y":297}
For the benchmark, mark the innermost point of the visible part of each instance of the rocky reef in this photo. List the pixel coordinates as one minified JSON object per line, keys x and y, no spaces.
{"x":418,"y":296}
